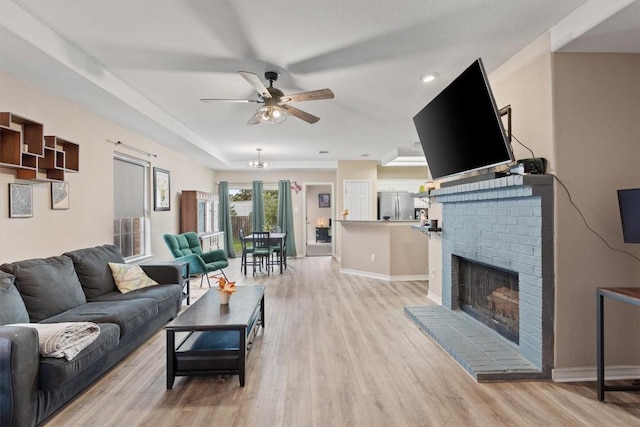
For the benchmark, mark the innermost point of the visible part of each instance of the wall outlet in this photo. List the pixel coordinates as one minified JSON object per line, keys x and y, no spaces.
{"x":373,"y":257}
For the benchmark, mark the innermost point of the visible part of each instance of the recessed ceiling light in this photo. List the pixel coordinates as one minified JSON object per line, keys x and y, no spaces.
{"x":429,"y":77}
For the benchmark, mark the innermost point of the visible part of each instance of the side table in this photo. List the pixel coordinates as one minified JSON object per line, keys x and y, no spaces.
{"x":626,"y":295}
{"x":186,"y":284}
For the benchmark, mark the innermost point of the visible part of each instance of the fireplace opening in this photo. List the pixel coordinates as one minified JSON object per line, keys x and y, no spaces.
{"x":490,"y":295}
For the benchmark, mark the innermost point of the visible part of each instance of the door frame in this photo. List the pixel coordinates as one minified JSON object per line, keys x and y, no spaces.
{"x":305,"y":237}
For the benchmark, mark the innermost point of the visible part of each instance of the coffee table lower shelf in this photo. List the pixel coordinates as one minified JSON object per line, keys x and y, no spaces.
{"x":208,"y":353}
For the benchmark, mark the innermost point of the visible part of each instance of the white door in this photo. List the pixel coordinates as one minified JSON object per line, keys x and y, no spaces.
{"x":357,"y":198}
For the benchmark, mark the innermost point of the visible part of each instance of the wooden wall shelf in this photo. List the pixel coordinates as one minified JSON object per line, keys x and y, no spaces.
{"x":36,"y":157}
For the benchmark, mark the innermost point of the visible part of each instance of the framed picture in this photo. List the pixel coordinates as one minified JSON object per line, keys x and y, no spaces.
{"x":161,"y":190}
{"x":324,"y":200}
{"x":20,"y":201}
{"x":60,"y":195}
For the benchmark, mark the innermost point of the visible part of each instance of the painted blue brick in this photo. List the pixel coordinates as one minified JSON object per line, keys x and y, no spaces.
{"x":501,"y":223}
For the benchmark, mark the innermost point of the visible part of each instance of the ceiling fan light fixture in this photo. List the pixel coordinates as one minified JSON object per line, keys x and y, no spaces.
{"x":258,"y":164}
{"x":271,"y":115}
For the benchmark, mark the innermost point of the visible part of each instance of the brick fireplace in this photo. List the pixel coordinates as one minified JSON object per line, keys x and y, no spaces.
{"x":506,"y":223}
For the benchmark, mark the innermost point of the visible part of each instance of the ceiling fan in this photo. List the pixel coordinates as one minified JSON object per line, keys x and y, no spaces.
{"x":275,"y":107}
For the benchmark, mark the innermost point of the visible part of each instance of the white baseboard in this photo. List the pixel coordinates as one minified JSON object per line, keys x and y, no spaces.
{"x":435,"y":298}
{"x":589,"y":373}
{"x":404,"y":278}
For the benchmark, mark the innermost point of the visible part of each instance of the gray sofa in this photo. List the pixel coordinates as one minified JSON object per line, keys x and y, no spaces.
{"x":76,"y":286}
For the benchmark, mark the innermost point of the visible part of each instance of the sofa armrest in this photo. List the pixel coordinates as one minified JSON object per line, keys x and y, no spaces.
{"x":19,"y":365}
{"x":215,"y":255}
{"x":165,"y":273}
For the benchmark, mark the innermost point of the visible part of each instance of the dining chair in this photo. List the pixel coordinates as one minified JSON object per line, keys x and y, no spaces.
{"x":262,"y":250}
{"x":246,"y":250}
{"x":280,"y":251}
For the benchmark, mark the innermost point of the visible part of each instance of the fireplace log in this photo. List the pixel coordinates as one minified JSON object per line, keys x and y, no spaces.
{"x":505,"y":301}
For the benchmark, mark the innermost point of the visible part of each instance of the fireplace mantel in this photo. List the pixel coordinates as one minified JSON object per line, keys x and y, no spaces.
{"x":501,"y":188}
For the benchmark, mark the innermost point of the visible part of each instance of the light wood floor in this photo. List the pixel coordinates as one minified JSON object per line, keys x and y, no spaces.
{"x":337,"y":350}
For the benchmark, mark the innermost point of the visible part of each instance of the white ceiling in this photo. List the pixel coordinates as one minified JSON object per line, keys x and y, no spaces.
{"x":146,"y":63}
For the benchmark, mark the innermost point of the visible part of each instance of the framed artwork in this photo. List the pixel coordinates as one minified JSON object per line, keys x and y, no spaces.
{"x":20,"y":201}
{"x":161,"y":190}
{"x":60,"y":195}
{"x":324,"y":200}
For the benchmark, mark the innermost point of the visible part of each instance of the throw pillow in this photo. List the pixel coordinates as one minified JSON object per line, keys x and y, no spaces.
{"x":129,"y":277}
{"x":48,"y":286}
{"x":12,"y":309}
{"x":93,"y":272}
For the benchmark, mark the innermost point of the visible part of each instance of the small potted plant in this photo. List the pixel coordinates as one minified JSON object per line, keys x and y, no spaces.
{"x":345,"y":214}
{"x":225,"y":288}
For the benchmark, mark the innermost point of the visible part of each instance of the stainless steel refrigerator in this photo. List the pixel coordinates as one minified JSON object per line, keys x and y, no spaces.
{"x":398,"y":206}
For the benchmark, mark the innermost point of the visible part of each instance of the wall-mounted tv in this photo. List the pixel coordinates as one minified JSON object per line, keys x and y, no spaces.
{"x":460,"y":129}
{"x":629,"y":201}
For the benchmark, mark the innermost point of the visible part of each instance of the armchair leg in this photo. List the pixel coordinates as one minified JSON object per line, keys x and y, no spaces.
{"x":216,"y":275}
{"x":202,"y":280}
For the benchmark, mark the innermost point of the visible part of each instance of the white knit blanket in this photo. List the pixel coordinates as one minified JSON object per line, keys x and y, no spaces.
{"x":65,"y":339}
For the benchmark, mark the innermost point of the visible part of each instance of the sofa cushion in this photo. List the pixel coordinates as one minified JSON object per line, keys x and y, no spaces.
{"x":130,"y":277}
{"x":167,"y":296}
{"x":93,"y":269}
{"x":128,"y":314}
{"x":48,"y":286}
{"x":12,"y":308}
{"x":54,"y":372}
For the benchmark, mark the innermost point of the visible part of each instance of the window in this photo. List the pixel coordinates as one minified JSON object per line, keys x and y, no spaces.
{"x":131,"y":210}
{"x":240,"y":197}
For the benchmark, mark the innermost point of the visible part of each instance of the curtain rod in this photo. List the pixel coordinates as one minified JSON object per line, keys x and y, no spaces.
{"x":119,"y":143}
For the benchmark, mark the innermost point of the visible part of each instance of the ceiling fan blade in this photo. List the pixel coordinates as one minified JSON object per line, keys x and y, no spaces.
{"x":303,"y":115}
{"x":312,"y":95}
{"x":229,"y":100}
{"x":256,"y":83}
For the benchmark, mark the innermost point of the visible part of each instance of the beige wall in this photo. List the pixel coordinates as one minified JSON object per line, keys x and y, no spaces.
{"x":89,"y":221}
{"x":524,"y":82}
{"x":403,"y":172}
{"x":597,"y":116}
{"x":386,"y":250}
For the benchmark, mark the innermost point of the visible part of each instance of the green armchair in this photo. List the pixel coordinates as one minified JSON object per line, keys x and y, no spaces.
{"x":186,"y":247}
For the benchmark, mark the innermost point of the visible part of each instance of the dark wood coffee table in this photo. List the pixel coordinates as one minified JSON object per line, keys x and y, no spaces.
{"x":217,"y":338}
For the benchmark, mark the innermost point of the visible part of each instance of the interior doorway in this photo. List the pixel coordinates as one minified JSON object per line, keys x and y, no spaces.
{"x":319,"y":214}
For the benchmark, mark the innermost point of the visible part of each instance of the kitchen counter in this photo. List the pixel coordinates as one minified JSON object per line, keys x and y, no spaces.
{"x":348,"y":222}
{"x":387,"y":250}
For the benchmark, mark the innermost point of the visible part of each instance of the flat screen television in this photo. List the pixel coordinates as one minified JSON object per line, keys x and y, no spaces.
{"x":629,"y":201}
{"x":460,"y":129}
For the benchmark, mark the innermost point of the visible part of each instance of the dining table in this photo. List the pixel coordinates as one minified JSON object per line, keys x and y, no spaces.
{"x":277,"y":239}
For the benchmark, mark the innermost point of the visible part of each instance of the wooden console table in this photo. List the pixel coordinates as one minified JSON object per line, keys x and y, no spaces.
{"x":626,"y":295}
